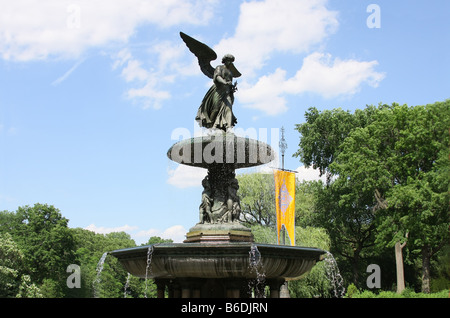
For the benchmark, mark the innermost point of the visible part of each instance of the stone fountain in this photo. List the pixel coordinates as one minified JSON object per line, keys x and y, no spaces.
{"x":219,"y":257}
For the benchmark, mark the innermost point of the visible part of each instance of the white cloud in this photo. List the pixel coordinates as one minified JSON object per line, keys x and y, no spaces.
{"x":309,"y":174}
{"x":331,"y":78}
{"x":168,"y":53}
{"x":176,"y":233}
{"x":149,"y":90}
{"x":267,"y":94}
{"x":33,"y":30}
{"x":134,"y":71}
{"x":319,"y":74}
{"x":186,"y":176}
{"x":293,"y":27}
{"x":38,"y":30}
{"x":106,"y":230}
{"x":9,"y":131}
{"x":151,"y":96}
{"x":270,"y":26}
{"x":121,"y":57}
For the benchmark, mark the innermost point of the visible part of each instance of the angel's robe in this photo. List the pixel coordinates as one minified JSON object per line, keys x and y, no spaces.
{"x":216,"y":109}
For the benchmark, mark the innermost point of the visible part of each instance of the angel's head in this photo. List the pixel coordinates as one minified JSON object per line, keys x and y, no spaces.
{"x":228,"y":58}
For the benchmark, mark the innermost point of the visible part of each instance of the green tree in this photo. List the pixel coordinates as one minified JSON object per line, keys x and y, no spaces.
{"x":10,"y":263}
{"x":420,"y":195}
{"x":317,"y":282}
{"x":391,"y":177}
{"x":27,"y":289}
{"x":411,"y":174}
{"x":42,"y":234}
{"x":13,"y":282}
{"x":89,"y":249}
{"x":46,"y":246}
{"x":257,"y":195}
{"x":314,"y":284}
{"x":8,"y":221}
{"x":321,"y":138}
{"x":157,"y":240}
{"x":441,"y":273}
{"x":323,"y":133}
{"x":349,"y":225}
{"x":306,"y":195}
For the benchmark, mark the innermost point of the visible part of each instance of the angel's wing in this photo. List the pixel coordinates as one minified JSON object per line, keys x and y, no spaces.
{"x":203,"y":53}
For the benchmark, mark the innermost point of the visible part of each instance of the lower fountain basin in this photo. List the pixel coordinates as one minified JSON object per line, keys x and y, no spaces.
{"x":227,"y":260}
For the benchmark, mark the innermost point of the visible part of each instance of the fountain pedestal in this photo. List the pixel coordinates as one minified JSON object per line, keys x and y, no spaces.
{"x":221,"y":154}
{"x":219,"y":233}
{"x":218,"y":257}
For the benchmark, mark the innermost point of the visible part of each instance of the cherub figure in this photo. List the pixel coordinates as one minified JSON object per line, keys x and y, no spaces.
{"x":205,"y":206}
{"x":233,"y":202}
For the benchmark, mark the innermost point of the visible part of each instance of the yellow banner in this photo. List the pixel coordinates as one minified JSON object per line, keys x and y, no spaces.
{"x":285,"y":203}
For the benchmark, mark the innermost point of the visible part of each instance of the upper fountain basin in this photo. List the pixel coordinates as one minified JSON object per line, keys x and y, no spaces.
{"x":222,"y":148}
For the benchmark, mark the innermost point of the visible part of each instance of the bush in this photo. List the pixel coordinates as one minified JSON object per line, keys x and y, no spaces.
{"x":389,"y":294}
{"x":353,"y":292}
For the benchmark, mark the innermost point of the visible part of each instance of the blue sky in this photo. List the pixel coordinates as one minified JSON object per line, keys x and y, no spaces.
{"x":94,"y":93}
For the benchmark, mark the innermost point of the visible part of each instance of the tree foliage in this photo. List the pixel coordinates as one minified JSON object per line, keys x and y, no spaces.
{"x":390,"y":171}
{"x":257,"y":193}
{"x":37,"y":246}
{"x":323,"y":133}
{"x":13,"y":283}
{"x":316,"y":283}
{"x":42,"y":235}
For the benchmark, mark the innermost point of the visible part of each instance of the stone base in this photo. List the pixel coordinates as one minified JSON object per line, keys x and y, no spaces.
{"x":216,"y":288}
{"x":219,"y":233}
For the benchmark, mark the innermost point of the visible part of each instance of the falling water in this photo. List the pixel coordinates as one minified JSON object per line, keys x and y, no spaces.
{"x":334,"y":275}
{"x":127,"y":284}
{"x":254,"y":256}
{"x":99,"y":269}
{"x":148,"y":267}
{"x":255,"y":265}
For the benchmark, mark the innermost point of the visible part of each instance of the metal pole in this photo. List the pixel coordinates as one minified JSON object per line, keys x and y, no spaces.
{"x":284,"y":291}
{"x":283,"y":147}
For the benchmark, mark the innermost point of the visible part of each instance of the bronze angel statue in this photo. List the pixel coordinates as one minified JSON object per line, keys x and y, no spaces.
{"x":216,"y":109}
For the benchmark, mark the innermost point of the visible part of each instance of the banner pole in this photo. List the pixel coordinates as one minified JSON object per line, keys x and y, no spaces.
{"x":283,"y":147}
